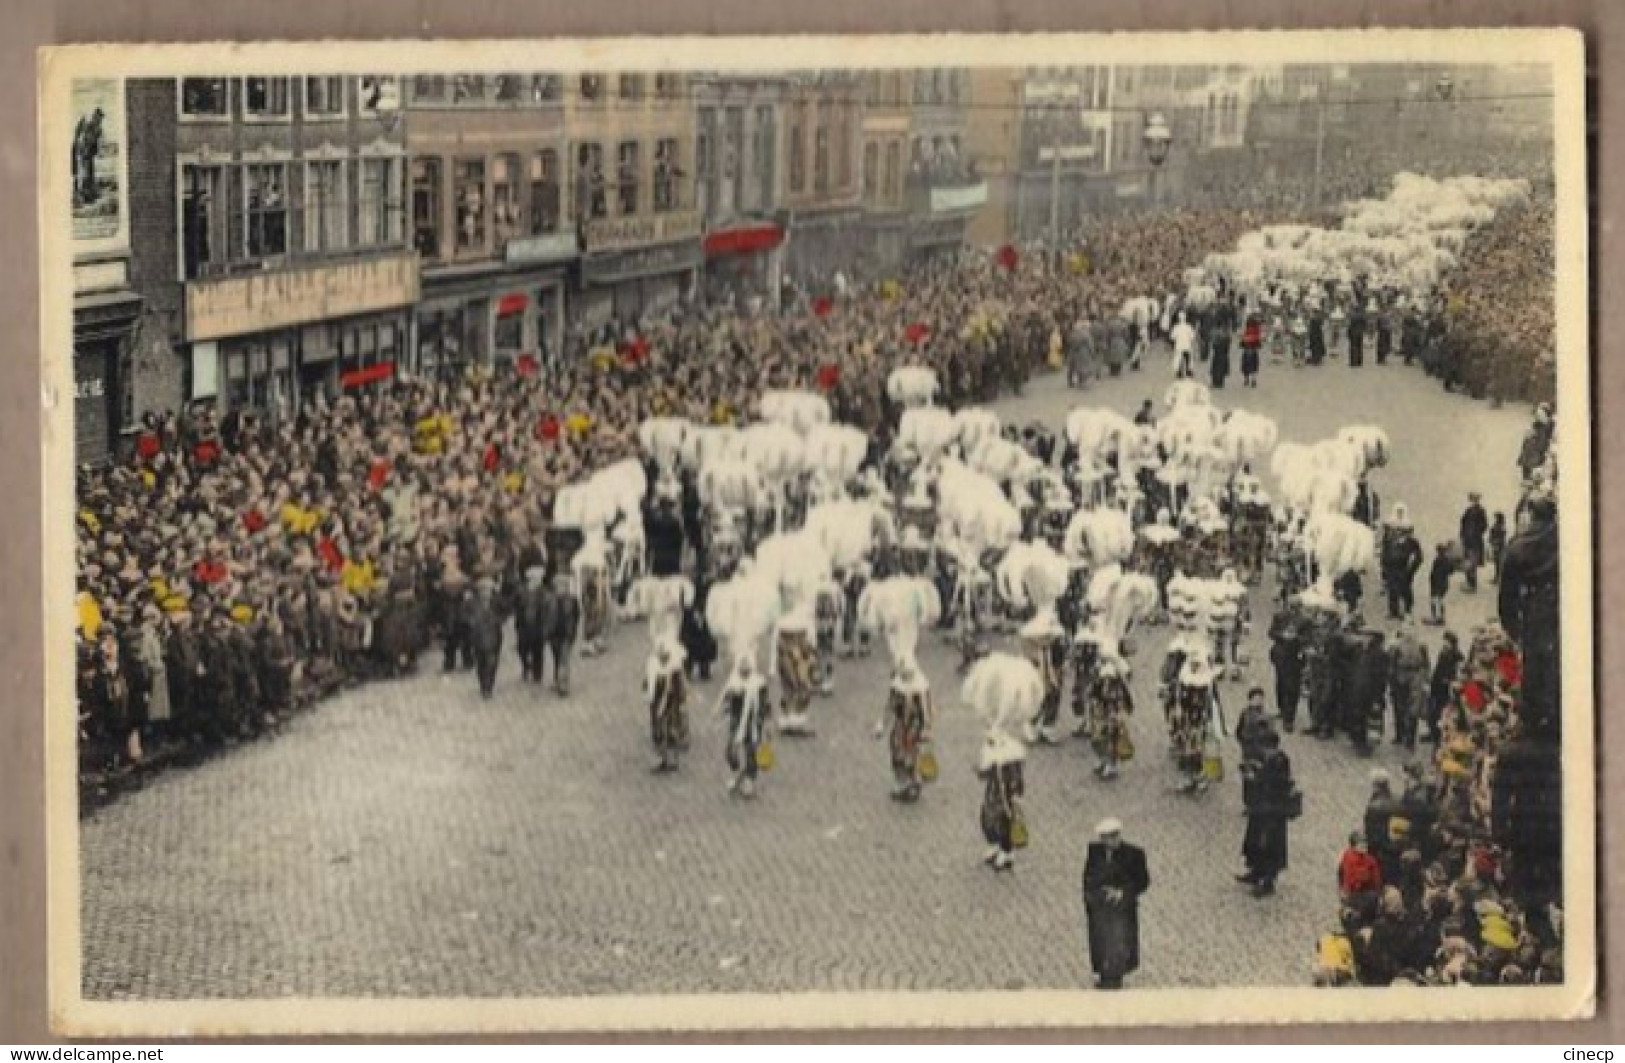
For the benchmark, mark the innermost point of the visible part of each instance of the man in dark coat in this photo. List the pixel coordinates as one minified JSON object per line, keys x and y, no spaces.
{"x":1380,"y":811}
{"x":1407,"y":684}
{"x":1287,"y":657}
{"x":1114,"y":877}
{"x":1475,"y":523}
{"x":663,"y":532}
{"x":1401,"y":561}
{"x":1528,"y":608}
{"x":1269,"y":804}
{"x":527,"y":624}
{"x":561,"y":622}
{"x":1441,"y":686}
{"x":485,"y":634}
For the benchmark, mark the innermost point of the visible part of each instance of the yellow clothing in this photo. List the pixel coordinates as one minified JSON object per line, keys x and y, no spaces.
{"x":359,"y":579}
{"x":514,"y":482}
{"x":890,"y":290}
{"x":88,"y":519}
{"x":90,"y":615}
{"x":243,"y":614}
{"x":1336,"y":953}
{"x":579,"y":424}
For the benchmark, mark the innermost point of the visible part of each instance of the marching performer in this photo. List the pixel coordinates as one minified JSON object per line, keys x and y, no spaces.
{"x":796,"y":664}
{"x":666,"y":690}
{"x":828,"y":606}
{"x":744,"y":704}
{"x":1196,"y":711}
{"x":1005,"y":691}
{"x":590,"y":567}
{"x":1110,"y":705}
{"x":910,"y":715}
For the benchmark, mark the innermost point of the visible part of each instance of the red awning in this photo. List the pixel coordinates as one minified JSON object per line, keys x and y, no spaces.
{"x":512,"y":304}
{"x":356,"y":378}
{"x":744,"y":241}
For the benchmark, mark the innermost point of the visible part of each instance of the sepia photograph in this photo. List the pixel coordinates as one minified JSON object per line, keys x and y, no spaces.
{"x":1056,"y":530}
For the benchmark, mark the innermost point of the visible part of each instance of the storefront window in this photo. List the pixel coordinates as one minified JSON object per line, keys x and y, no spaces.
{"x":265,"y":98}
{"x":326,"y":218}
{"x":766,"y":155}
{"x":510,"y":333}
{"x":380,"y":213}
{"x":871,"y":169}
{"x":507,"y":219}
{"x":267,"y":206}
{"x":426,"y":207}
{"x":821,"y":160}
{"x":471,"y":205}
{"x":894,"y":165}
{"x":843,"y":147}
{"x":204,"y":97}
{"x":626,"y":177}
{"x":544,"y":193}
{"x":798,"y":148}
{"x":476,"y":331}
{"x":705,"y":162}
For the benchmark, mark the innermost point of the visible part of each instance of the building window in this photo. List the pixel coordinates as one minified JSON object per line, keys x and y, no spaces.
{"x":798,"y":148}
{"x":821,"y":160}
{"x":592,"y":88}
{"x":468,"y":88}
{"x":667,"y":172}
{"x":894,"y":166}
{"x":871,"y":169}
{"x":956,"y":85}
{"x":265,"y":98}
{"x":205,"y":219}
{"x":666,"y":87}
{"x":843,"y":148}
{"x":546,"y":88}
{"x":324,"y":97}
{"x":626,"y":178}
{"x":631,"y":87}
{"x":325,"y":213}
{"x":871,"y":89}
{"x":380,"y":213}
{"x":506,"y":214}
{"x":469,"y":194}
{"x":591,"y":201}
{"x":267,"y":209}
{"x":544,"y":193}
{"x":704,"y":161}
{"x":766,"y":155}
{"x":921,"y":86}
{"x":426,"y":193}
{"x":1125,"y":79}
{"x":510,"y":88}
{"x":429,"y":89}
{"x":204,"y":98}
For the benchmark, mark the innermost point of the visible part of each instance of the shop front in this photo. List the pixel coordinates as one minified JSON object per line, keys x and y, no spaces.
{"x":636,"y":268}
{"x":823,"y":242}
{"x":743,"y":262}
{"x":496,"y":313}
{"x":103,"y":325}
{"x":274,"y":341}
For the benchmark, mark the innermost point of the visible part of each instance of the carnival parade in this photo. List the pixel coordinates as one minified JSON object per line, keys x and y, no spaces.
{"x":1013,"y":535}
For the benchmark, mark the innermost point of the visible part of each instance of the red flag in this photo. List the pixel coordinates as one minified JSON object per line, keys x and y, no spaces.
{"x":378,"y":475}
{"x":1008,"y":257}
{"x":829,"y":376}
{"x":822,"y":306}
{"x":146,"y":445}
{"x":332,"y":557}
{"x":208,"y":571}
{"x":548,"y":428}
{"x":916,"y":333}
{"x":254,"y":521}
{"x":492,"y":457}
{"x":527,"y":365}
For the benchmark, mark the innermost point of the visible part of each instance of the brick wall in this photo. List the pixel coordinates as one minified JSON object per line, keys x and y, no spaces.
{"x":157,"y":353}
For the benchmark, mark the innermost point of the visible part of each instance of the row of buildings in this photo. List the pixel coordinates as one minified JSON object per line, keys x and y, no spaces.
{"x":253,"y":240}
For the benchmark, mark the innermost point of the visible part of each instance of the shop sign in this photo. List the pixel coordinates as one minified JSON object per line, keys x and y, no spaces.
{"x":954,"y":199}
{"x":614,"y":234}
{"x":645,"y":263}
{"x":744,"y":241}
{"x":552,"y":247}
{"x":261,"y":302}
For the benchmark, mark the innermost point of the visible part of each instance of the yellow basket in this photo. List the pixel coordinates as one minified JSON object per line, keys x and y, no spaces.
{"x":764,"y":757}
{"x":1213,"y":768}
{"x":1018,"y":830}
{"x":928,"y":765}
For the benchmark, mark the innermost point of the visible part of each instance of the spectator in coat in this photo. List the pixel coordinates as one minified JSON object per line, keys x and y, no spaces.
{"x":1440,"y":689}
{"x":1359,"y":876}
{"x":1114,"y":878}
{"x":1474,"y":526}
{"x":1269,"y":810}
{"x":1439,"y":574}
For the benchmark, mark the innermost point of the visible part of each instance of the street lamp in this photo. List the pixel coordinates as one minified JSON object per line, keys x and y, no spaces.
{"x":1157,"y":139}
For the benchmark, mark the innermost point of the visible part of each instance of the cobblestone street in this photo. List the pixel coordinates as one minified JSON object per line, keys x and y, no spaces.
{"x":408,"y":839}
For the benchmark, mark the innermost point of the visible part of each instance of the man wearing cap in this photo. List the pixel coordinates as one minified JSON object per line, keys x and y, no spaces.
{"x":529,"y":617}
{"x":1269,"y":808}
{"x":1114,"y":877}
{"x":1401,"y":560}
{"x":1408,"y":674}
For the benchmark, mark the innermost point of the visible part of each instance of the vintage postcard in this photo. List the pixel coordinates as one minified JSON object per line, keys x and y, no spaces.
{"x":818,"y":532}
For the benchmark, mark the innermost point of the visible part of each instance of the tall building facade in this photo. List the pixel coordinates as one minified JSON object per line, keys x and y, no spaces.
{"x":739,"y":183}
{"x":291,"y":238}
{"x":632,"y":195}
{"x":489,"y":218}
{"x":823,"y":195}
